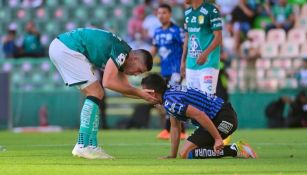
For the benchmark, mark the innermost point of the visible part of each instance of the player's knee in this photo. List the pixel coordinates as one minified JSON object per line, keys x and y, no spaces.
{"x":94,"y":90}
{"x":98,"y":94}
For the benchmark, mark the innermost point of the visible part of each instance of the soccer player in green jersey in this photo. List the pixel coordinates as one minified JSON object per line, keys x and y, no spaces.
{"x":80,"y":56}
{"x":201,"y":55}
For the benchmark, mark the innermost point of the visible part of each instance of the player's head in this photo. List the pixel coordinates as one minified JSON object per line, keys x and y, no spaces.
{"x":138,"y":62}
{"x":154,"y":82}
{"x":164,"y":13}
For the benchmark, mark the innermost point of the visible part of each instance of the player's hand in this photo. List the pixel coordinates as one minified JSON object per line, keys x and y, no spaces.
{"x":167,"y":157}
{"x":146,"y":96}
{"x":182,"y":70}
{"x":218,"y":145}
{"x":202,"y":58}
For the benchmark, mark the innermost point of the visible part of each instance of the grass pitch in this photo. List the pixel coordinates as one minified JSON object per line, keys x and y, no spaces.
{"x":137,"y":152}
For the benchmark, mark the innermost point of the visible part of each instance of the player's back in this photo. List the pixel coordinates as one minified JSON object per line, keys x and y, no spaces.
{"x":96,"y":44}
{"x":179,"y":97}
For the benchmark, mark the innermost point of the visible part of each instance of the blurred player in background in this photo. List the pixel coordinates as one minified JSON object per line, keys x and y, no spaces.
{"x":202,"y":46}
{"x":215,"y":120}
{"x":168,"y":43}
{"x":79,"y":56}
{"x":201,"y":53}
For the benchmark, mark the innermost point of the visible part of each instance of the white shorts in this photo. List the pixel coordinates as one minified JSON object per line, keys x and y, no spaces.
{"x":73,"y":66}
{"x":204,"y":79}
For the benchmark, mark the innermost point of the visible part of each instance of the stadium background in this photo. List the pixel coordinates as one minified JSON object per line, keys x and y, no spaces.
{"x":31,"y":87}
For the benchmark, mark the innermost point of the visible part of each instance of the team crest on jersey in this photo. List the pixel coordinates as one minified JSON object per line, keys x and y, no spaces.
{"x":201,"y":19}
{"x":194,"y":49}
{"x":121,"y":59}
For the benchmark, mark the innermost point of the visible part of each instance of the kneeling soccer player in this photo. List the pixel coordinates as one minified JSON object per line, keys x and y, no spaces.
{"x":215,"y":119}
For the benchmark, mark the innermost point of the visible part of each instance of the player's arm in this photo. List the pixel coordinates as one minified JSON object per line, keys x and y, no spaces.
{"x":184,"y":54}
{"x":214,"y":44}
{"x":153,"y":50}
{"x":203,"y":119}
{"x":118,"y":81}
{"x":175,"y":136}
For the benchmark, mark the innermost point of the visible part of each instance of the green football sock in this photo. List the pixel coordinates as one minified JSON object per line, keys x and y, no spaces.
{"x":89,"y":110}
{"x":93,"y":136}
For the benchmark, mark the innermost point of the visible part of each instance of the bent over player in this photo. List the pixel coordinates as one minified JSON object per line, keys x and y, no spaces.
{"x":214,"y":118}
{"x":80,"y":56}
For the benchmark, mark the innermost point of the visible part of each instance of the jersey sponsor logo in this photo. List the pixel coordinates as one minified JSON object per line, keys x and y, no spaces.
{"x":193,"y":20}
{"x":215,"y":10}
{"x":121,"y":59}
{"x":194,"y":49}
{"x":164,"y":52}
{"x":225,"y":127}
{"x":201,"y":19}
{"x":193,"y":29}
{"x":216,"y":19}
{"x":204,"y":11}
{"x":187,"y":19}
{"x":171,"y":107}
{"x":208,"y":79}
{"x":217,"y":25}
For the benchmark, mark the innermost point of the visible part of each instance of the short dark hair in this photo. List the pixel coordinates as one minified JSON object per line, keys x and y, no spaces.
{"x":166,"y":6}
{"x":155,"y":82}
{"x":146,"y":57}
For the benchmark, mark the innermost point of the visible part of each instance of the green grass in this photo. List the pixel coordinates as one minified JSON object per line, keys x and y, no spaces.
{"x":137,"y":152}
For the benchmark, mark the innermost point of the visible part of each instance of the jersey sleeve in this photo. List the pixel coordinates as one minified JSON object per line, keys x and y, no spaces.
{"x":215,"y":19}
{"x":175,"y":107}
{"x":119,"y":52}
{"x":186,"y":19}
{"x":155,"y":39}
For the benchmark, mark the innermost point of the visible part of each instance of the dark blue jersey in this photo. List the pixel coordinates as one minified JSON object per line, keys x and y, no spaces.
{"x":169,"y":44}
{"x":176,"y":99}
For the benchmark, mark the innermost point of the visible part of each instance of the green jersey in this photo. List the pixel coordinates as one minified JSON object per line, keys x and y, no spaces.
{"x":97,"y":45}
{"x":200,"y":24}
{"x":282,"y":13}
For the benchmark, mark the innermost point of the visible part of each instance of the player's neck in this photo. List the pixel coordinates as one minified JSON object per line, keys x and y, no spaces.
{"x":166,"y":25}
{"x":197,"y":4}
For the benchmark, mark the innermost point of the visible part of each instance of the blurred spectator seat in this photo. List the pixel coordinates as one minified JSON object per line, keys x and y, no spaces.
{"x":276,"y":73}
{"x":297,"y":35}
{"x":268,"y":85}
{"x":263,"y":64}
{"x":304,"y":10}
{"x":301,"y":22}
{"x":257,"y":36}
{"x":297,"y":63}
{"x":289,"y":50}
{"x":303,"y":52}
{"x":277,"y":36}
{"x":282,"y":63}
{"x":269,"y":50}
{"x":51,"y":3}
{"x":288,"y":83}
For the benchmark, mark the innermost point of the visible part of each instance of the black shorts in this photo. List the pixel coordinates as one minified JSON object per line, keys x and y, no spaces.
{"x":226,"y":123}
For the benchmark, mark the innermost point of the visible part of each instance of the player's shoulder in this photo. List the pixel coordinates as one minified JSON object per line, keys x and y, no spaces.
{"x":175,"y":28}
{"x":158,"y":30}
{"x":187,"y":11}
{"x":209,"y":8}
